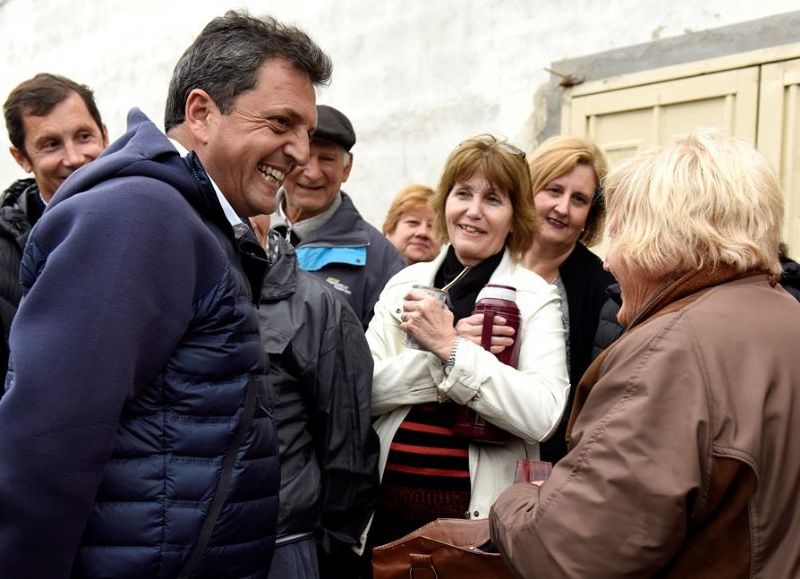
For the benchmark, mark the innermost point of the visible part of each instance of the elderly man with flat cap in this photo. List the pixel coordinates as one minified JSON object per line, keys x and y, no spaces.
{"x":332,"y":239}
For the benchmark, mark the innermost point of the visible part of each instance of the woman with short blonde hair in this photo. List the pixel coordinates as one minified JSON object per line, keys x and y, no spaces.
{"x":406,"y":199}
{"x":559,"y":156}
{"x":686,"y":429}
{"x":705,"y":203}
{"x":409,"y":224}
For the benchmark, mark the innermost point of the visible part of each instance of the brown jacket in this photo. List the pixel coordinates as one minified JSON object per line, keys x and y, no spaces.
{"x":684,"y":448}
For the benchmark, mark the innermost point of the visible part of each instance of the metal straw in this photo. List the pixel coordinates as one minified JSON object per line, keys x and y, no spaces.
{"x":457,"y":279}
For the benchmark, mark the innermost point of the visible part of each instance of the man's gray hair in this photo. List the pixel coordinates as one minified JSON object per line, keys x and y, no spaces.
{"x":224,"y":60}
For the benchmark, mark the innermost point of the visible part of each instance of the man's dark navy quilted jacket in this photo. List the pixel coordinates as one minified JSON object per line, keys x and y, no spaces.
{"x":138,"y":409}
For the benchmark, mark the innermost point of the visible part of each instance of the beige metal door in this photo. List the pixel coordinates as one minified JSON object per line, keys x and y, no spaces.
{"x":623,"y":121}
{"x":779,"y":137}
{"x":754,"y":95}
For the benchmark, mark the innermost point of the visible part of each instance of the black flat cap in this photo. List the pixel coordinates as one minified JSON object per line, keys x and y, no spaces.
{"x":333,"y":126}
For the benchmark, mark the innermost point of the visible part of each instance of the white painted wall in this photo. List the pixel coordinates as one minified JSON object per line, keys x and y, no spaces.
{"x":415,"y":77}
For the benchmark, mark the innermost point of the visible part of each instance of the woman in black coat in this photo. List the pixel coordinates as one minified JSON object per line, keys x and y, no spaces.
{"x":566,"y":176}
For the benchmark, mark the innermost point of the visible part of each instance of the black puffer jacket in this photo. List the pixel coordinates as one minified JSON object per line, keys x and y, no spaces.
{"x":138,"y":420}
{"x":321,"y":371}
{"x":609,"y":329}
{"x":20,"y":209}
{"x":790,"y":278}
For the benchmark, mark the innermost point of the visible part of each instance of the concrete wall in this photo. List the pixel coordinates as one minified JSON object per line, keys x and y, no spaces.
{"x":415,"y":78}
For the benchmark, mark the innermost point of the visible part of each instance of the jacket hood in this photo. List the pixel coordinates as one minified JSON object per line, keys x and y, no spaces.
{"x":280,"y":280}
{"x":21,"y":206}
{"x":142,"y":151}
{"x":12,"y":195}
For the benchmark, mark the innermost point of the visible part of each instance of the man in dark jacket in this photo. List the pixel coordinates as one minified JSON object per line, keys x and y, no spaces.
{"x":20,"y":208}
{"x":55,"y":128}
{"x":332,"y":239}
{"x":321,"y":370}
{"x":137,"y":437}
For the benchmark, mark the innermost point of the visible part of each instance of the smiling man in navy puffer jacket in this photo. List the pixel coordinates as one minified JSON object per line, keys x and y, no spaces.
{"x":137,"y":437}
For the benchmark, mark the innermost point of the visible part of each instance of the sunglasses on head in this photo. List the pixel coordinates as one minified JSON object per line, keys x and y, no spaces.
{"x":511,"y":149}
{"x":503,"y":145}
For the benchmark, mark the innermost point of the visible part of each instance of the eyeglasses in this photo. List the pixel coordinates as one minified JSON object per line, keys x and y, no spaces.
{"x":503,"y":145}
{"x":512,"y":150}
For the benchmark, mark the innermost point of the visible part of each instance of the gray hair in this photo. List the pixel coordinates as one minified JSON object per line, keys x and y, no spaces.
{"x":225,"y":58}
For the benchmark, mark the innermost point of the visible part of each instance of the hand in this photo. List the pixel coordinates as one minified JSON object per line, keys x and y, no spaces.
{"x":471,"y":328}
{"x":429,"y":322}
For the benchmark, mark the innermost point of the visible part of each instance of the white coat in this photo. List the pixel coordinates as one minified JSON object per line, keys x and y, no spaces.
{"x":527,"y":401}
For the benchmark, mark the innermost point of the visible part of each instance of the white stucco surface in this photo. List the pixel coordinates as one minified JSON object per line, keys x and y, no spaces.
{"x":415,"y":78}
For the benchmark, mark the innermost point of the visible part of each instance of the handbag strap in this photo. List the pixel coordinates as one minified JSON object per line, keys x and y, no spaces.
{"x":422,"y":567}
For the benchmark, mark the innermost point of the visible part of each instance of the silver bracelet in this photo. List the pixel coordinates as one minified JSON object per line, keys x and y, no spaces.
{"x":451,"y":361}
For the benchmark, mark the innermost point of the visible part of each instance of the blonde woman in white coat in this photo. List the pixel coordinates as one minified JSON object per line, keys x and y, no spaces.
{"x":484,"y":208}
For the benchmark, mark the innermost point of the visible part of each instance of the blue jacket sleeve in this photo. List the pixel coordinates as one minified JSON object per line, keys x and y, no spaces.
{"x":112,"y":281}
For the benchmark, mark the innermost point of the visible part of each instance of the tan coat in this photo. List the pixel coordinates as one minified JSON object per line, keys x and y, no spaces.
{"x":685,"y":448}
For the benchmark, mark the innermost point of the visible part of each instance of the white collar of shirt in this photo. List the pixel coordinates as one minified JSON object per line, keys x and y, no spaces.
{"x":230,"y":214}
{"x":305,"y":227}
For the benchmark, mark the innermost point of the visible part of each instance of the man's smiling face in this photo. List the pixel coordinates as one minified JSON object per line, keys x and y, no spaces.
{"x":311,"y":188}
{"x":249,"y":151}
{"x":59,"y":143}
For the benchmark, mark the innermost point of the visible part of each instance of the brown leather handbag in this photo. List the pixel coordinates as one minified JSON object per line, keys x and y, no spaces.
{"x":443,"y":549}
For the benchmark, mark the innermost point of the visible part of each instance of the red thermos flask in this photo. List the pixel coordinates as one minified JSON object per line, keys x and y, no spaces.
{"x":493,"y":300}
